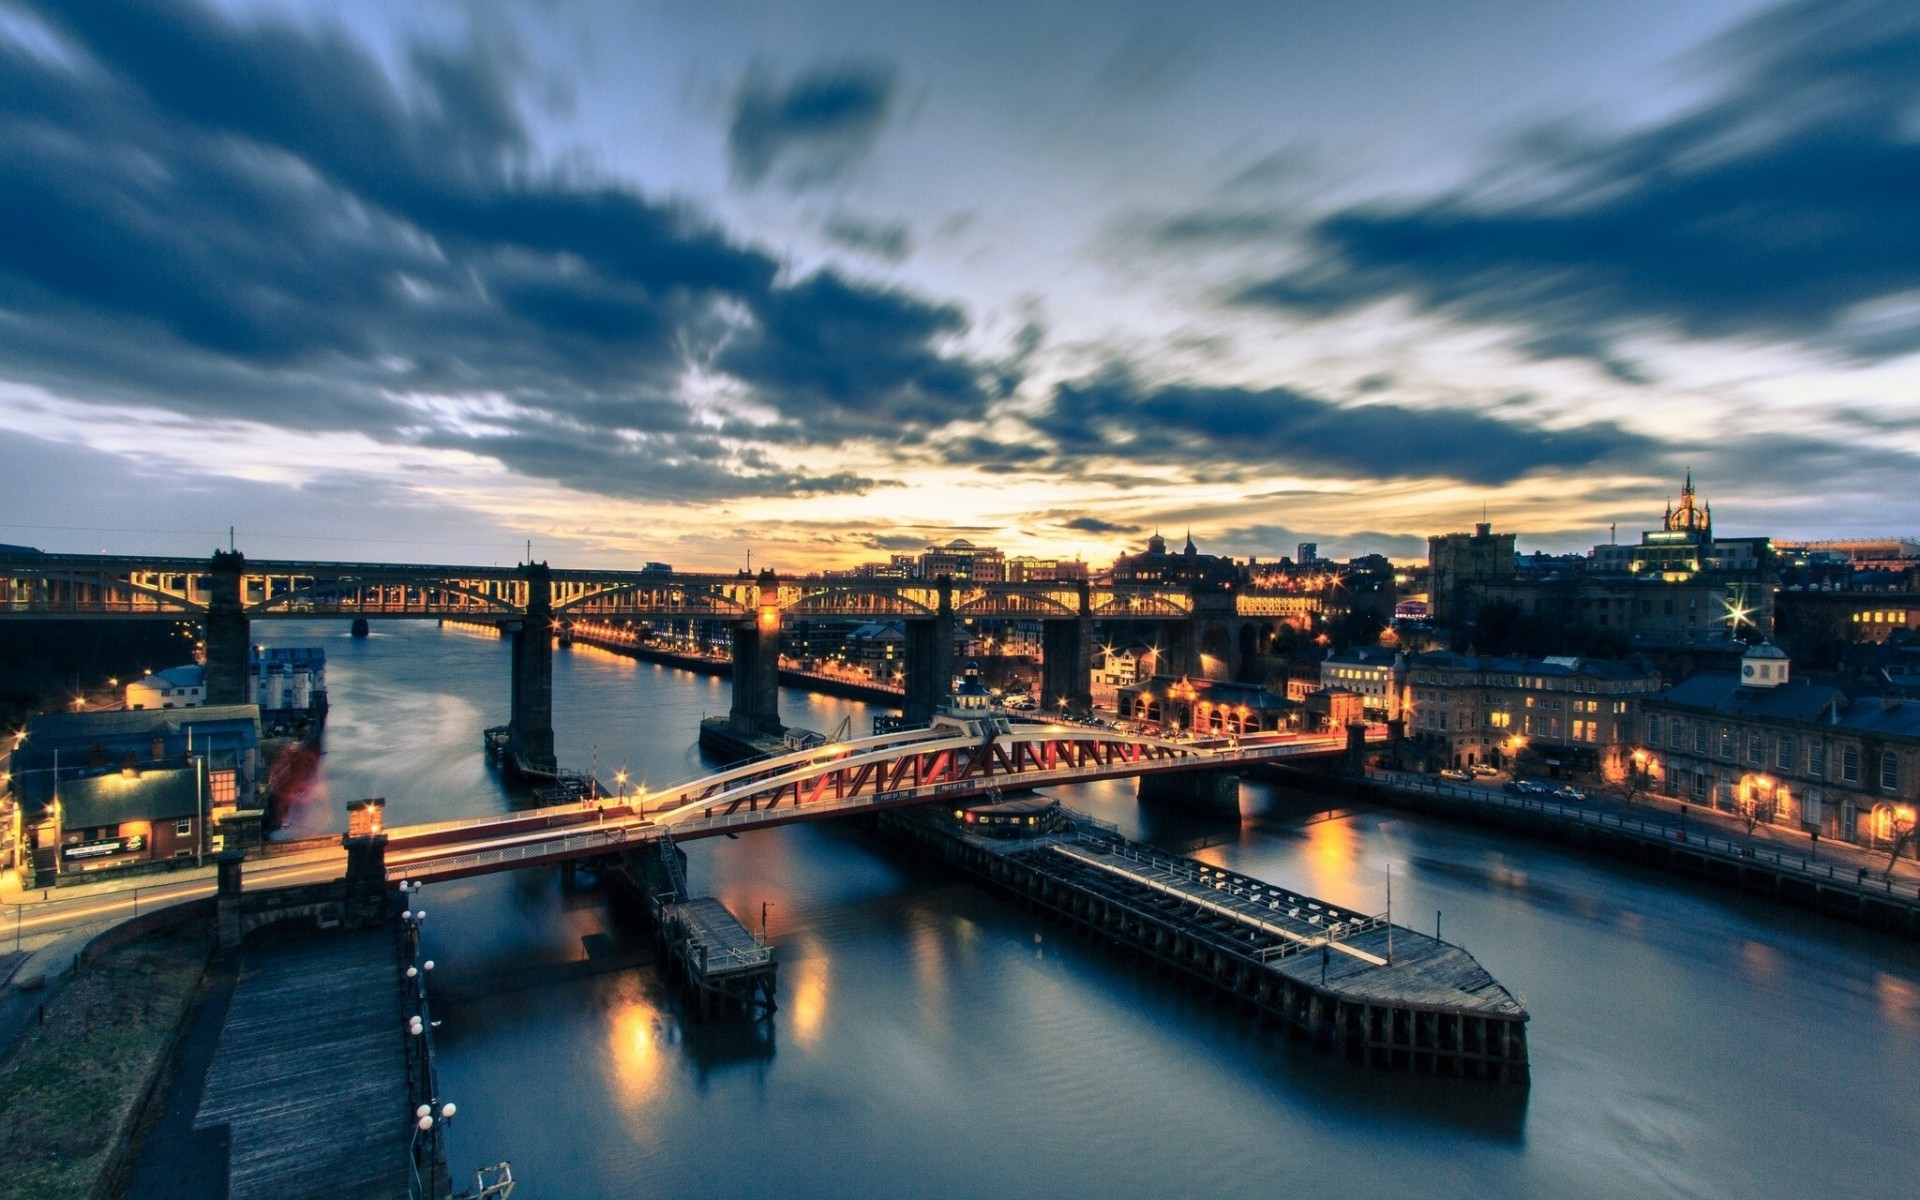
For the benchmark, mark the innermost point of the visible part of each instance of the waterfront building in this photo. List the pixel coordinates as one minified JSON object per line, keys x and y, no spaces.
{"x":1564,"y":715}
{"x":89,"y":787}
{"x":1206,"y":706}
{"x":1188,"y":566}
{"x":962,"y":561}
{"x":1117,"y":667}
{"x":284,"y":681}
{"x":1784,"y":750}
{"x":1378,"y":675}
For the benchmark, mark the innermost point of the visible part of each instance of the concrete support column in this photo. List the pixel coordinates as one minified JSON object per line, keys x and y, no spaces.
{"x":929,"y":665}
{"x":227,"y":633}
{"x":1214,"y":793}
{"x":756,"y":666}
{"x":530,"y":723}
{"x":1067,"y":660}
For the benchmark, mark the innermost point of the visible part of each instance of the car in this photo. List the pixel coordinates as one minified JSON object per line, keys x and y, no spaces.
{"x":1527,"y":787}
{"x":1481,"y":770}
{"x":1569,"y":792}
{"x":1456,"y":774}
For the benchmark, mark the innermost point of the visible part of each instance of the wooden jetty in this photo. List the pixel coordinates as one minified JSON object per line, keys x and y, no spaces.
{"x":310,"y":1075}
{"x":723,"y":967}
{"x":1375,"y":993}
{"x":720,"y":965}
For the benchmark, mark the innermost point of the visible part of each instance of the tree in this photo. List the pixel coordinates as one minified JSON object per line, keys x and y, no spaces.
{"x":1900,"y":830}
{"x":1755,"y":806}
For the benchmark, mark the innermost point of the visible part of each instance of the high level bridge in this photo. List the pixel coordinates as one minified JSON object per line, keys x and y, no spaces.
{"x":863,"y":775}
{"x":1203,"y":631}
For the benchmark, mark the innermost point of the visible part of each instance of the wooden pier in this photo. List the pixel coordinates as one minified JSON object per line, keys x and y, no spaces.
{"x":723,"y":967}
{"x":720,"y":966}
{"x":310,"y":1074}
{"x":1374,"y":993}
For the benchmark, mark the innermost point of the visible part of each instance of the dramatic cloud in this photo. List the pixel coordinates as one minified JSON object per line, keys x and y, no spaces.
{"x":256,"y":219}
{"x":809,"y":130}
{"x":1114,"y":415}
{"x":1781,"y":209}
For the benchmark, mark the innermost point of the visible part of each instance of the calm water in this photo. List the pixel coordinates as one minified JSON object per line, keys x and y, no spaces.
{"x":934,"y":1040}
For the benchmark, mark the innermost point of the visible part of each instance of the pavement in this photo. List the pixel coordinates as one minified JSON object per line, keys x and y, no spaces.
{"x":1675,"y":814}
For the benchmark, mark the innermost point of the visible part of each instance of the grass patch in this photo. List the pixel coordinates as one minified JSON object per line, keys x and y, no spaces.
{"x":72,"y":1086}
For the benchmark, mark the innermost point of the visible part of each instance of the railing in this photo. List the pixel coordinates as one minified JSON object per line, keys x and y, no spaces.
{"x":1721,"y":848}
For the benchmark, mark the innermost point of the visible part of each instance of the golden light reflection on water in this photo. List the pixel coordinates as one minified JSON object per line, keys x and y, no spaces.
{"x":634,"y":1032}
{"x":1899,"y":1000}
{"x":1332,"y":848}
{"x":805,"y":1002}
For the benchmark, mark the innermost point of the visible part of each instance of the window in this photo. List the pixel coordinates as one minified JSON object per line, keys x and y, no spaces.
{"x":1756,"y":749}
{"x":1726,"y":742}
{"x":223,"y":787}
{"x":1850,"y":765}
{"x":183,"y":827}
{"x":1699,"y":737}
{"x":1499,"y":720}
{"x":1783,"y":752}
{"x":1653,"y":731}
{"x":1817,"y":760}
{"x":1889,"y":771}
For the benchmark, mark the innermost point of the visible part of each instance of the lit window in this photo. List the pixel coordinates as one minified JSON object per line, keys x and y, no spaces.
{"x":222,"y":787}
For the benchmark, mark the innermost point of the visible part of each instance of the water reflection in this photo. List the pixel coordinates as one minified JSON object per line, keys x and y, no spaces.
{"x":941,"y":1041}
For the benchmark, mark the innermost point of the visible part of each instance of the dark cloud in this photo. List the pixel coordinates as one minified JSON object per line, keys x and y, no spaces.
{"x":1114,"y":415}
{"x":889,"y":240}
{"x":1774,"y":210}
{"x":860,"y":360}
{"x":1096,"y":525}
{"x":253,"y":219}
{"x":811,"y":129}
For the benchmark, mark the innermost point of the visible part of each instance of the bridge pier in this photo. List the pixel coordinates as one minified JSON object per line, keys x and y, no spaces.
{"x":530,"y":723}
{"x":929,"y":660}
{"x":365,"y":902}
{"x":227,"y":633}
{"x":1066,"y":664}
{"x":756,"y":667}
{"x":1213,"y":793}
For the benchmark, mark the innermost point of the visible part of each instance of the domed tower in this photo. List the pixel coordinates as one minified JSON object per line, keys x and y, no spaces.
{"x":1156,"y":544}
{"x":971,"y":698}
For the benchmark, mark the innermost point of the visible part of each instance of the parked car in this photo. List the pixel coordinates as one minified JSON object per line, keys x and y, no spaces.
{"x":1527,"y":787}
{"x":1481,"y":770}
{"x":1569,"y":792}
{"x":1455,"y":774}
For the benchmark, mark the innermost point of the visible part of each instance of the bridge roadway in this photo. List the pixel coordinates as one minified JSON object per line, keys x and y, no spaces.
{"x":863,"y":775}
{"x":1203,"y":631}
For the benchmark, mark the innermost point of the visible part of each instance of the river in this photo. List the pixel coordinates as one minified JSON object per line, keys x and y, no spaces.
{"x":935,"y":1040}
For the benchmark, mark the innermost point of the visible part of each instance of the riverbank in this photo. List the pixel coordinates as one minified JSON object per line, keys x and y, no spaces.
{"x":86,"y":1067}
{"x":1845,"y":884}
{"x":700,"y":664}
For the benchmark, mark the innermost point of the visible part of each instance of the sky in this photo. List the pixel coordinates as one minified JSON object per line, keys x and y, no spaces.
{"x":616,"y":281}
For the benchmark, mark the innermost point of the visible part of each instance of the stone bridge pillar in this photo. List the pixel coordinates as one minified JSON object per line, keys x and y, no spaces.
{"x":756,"y":666}
{"x":530,"y":723}
{"x":929,"y":665}
{"x":1179,"y":656}
{"x":1212,"y":793}
{"x":1209,"y":637}
{"x":227,"y":632}
{"x":1067,"y":659}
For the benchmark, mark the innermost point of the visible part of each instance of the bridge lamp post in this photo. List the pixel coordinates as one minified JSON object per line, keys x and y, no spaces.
{"x":620,"y":783}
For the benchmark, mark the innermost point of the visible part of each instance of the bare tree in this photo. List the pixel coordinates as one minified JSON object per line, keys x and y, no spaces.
{"x":1901,"y":830}
{"x":1755,"y":808}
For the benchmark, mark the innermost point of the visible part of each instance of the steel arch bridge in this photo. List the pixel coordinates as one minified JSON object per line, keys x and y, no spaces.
{"x":863,"y":775}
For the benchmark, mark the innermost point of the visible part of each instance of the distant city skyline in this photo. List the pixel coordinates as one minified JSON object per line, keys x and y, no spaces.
{"x":836,"y":280}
